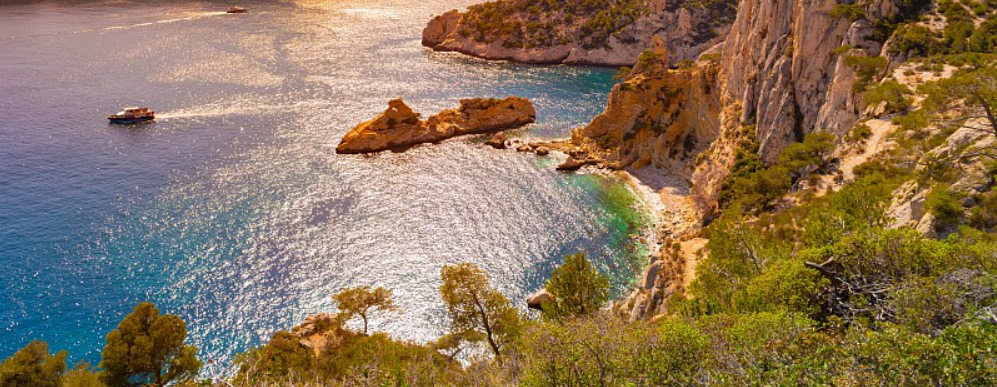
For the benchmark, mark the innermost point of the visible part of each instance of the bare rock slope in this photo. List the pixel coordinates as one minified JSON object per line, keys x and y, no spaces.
{"x":657,"y":117}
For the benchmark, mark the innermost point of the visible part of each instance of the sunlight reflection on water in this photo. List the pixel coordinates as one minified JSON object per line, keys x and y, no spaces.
{"x":233,"y":210}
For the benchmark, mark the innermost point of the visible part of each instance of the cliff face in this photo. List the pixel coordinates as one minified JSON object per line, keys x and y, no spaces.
{"x":782,"y":76}
{"x":514,"y":30}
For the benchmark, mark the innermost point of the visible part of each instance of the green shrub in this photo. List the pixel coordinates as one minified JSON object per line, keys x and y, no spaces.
{"x":859,"y":132}
{"x":916,"y":41}
{"x":647,"y":59}
{"x":979,"y":8}
{"x":868,"y":69}
{"x":842,"y":49}
{"x":622,"y":74}
{"x":786,"y":285}
{"x":852,"y":12}
{"x":896,"y":95}
{"x":944,"y":206}
{"x":984,"y":215}
{"x":605,"y":351}
{"x":984,"y":38}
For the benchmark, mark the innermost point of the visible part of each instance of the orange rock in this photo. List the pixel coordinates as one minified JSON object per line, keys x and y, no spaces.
{"x":399,"y":127}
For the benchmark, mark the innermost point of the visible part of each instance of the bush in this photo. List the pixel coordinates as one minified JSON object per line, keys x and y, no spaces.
{"x":984,"y":215}
{"x":787,"y":285}
{"x":916,"y":41}
{"x":868,"y":69}
{"x":808,"y":156}
{"x":739,"y":252}
{"x":984,"y":38}
{"x":895,"y":94}
{"x":944,"y":206}
{"x":605,"y":351}
{"x":852,"y":12}
{"x":858,"y":133}
{"x":929,"y":304}
{"x":753,"y":187}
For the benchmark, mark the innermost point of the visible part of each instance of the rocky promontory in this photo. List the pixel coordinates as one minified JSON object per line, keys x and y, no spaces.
{"x":609,"y":34}
{"x":399,"y":127}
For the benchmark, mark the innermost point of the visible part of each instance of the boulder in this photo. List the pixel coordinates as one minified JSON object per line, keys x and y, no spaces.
{"x":315,"y":324}
{"x":536,"y":300}
{"x":574,"y":164}
{"x":398,"y":127}
{"x":497,"y":141}
{"x":571,"y":164}
{"x":542,"y":151}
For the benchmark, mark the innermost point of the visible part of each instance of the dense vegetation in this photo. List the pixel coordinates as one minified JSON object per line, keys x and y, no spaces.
{"x":544,"y":23}
{"x":551,"y":22}
{"x":146,"y":349}
{"x":959,"y":35}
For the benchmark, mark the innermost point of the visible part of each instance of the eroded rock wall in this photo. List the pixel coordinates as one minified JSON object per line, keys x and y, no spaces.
{"x":782,"y":76}
{"x":659,"y":117}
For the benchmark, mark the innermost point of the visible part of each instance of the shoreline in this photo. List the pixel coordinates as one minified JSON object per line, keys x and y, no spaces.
{"x":670,"y":211}
{"x":670,"y":208}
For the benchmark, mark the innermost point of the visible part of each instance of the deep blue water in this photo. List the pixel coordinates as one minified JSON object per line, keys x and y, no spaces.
{"x":233,"y":210}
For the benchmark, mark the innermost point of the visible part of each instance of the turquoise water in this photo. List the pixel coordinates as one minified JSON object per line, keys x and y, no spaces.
{"x":233,"y":210}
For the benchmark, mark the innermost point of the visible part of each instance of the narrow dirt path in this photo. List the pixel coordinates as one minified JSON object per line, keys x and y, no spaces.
{"x":881,"y":130}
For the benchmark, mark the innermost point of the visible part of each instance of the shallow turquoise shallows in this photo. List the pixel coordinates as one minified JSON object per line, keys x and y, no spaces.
{"x":232,"y":210}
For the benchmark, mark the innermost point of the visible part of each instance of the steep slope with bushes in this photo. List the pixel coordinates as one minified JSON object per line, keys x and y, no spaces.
{"x":597,"y":32}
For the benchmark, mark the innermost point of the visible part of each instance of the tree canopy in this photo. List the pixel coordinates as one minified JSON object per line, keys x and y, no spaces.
{"x":33,"y":366}
{"x":576,"y":289}
{"x":362,"y":301}
{"x":474,"y":306}
{"x":148,"y":348}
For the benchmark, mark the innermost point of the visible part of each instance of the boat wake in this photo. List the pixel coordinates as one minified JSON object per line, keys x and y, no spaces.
{"x":196,"y":15}
{"x":239,"y":109}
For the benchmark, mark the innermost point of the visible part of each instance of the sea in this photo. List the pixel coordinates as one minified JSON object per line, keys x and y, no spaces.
{"x":232,"y":210}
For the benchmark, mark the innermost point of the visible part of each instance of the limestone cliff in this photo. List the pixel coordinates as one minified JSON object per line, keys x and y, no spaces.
{"x":782,"y":71}
{"x":612,"y":33}
{"x":399,"y":127}
{"x":783,"y":74}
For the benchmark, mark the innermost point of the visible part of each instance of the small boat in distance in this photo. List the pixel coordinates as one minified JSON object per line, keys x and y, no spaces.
{"x":132,"y":115}
{"x":236,"y":10}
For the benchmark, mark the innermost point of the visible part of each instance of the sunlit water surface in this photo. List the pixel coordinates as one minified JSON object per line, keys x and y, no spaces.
{"x":233,"y":210}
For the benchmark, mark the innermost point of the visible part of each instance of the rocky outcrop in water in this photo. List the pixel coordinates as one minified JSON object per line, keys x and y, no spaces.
{"x":399,"y":127}
{"x":614,"y":35}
